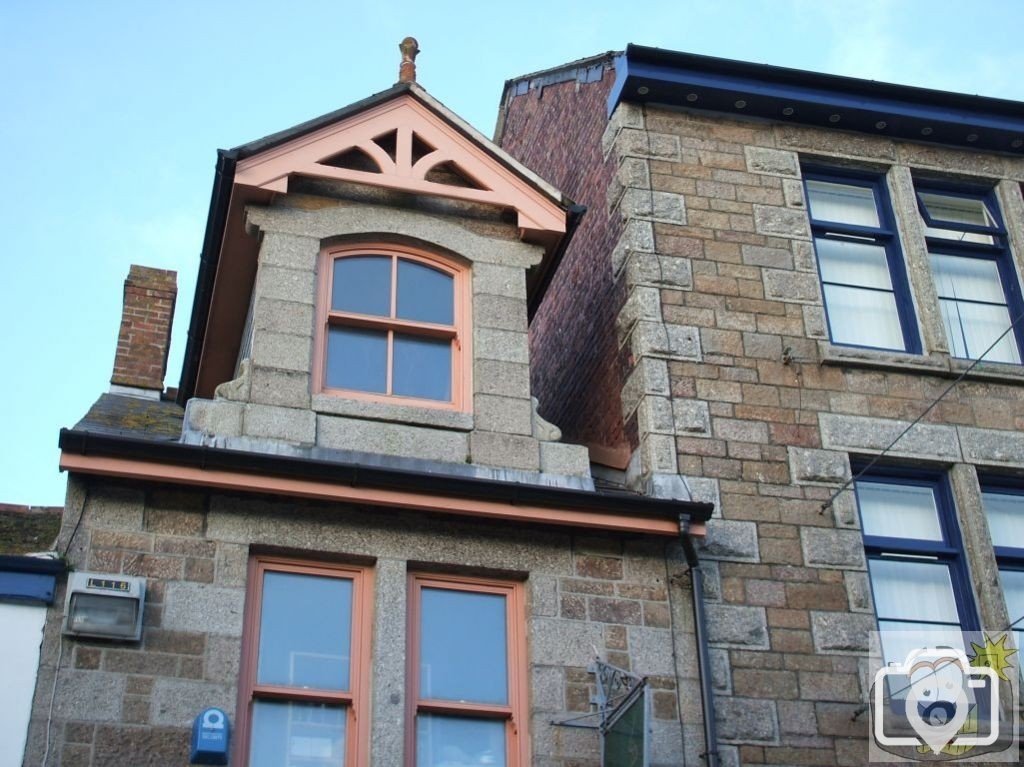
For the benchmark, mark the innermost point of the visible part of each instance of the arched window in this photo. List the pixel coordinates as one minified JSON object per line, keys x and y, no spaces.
{"x":392,"y":326}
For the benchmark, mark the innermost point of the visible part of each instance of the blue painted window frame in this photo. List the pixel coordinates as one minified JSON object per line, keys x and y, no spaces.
{"x":950,"y":550}
{"x":1007,"y":557}
{"x":885,"y":236}
{"x":998,"y":251}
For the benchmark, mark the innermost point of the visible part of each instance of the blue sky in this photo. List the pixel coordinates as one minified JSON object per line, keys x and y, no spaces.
{"x":111,"y":113}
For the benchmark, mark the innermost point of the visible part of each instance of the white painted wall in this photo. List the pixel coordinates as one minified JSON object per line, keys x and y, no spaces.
{"x":21,"y":633}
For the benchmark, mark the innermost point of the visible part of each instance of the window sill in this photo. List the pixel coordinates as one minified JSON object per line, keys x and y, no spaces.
{"x":937,"y":363}
{"x":330,"y":404}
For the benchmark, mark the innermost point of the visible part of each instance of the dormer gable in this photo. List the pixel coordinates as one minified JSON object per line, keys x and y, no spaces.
{"x":409,"y":142}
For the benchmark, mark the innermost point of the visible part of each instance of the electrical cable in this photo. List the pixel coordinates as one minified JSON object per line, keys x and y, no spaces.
{"x":53,"y":696}
{"x":675,"y":657}
{"x":831,"y":499}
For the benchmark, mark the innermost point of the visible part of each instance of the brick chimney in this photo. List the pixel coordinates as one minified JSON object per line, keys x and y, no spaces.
{"x":145,"y":335}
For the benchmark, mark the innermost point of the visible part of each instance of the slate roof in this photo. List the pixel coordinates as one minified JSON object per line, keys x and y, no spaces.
{"x":120,"y":416}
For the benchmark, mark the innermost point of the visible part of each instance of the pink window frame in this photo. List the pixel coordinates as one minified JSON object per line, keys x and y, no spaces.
{"x":356,"y":699}
{"x":459,"y":332}
{"x":514,"y":713}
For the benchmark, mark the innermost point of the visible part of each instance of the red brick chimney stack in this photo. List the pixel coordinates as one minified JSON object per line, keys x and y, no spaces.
{"x":145,"y":335}
{"x":409,"y":48}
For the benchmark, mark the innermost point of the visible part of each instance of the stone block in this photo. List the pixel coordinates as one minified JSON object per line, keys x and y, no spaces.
{"x":654,"y":416}
{"x":676,"y":342}
{"x":503,"y":414}
{"x":740,"y":431}
{"x":808,"y":465}
{"x":272,"y":422}
{"x":90,"y":696}
{"x":776,"y":258}
{"x":140,"y":746}
{"x":556,"y":642}
{"x":691,"y":416}
{"x":775,"y":162}
{"x":504,"y":450}
{"x":859,"y":433}
{"x":650,"y":651}
{"x":781,"y":222}
{"x":287,"y":317}
{"x":177,"y":701}
{"x":214,"y":417}
{"x":565,"y":459}
{"x":666,"y":207}
{"x":992,"y":446}
{"x":737,"y":626}
{"x":642,"y":304}
{"x":730,"y":539}
{"x":792,"y":287}
{"x":201,"y":607}
{"x":746,"y":720}
{"x":286,"y":285}
{"x":827,"y":547}
{"x":391,"y":439}
{"x":793,"y":192}
{"x":657,"y":454}
{"x":499,"y":312}
{"x":284,"y":352}
{"x":497,"y":280}
{"x":279,"y":387}
{"x":289,"y":251}
{"x":841,"y":632}
{"x":658,"y":271}
{"x":507,"y":379}
{"x":501,"y":345}
{"x":649,"y":377}
{"x":814,"y":322}
{"x":858,"y":591}
{"x":762,"y":346}
{"x":223,"y":658}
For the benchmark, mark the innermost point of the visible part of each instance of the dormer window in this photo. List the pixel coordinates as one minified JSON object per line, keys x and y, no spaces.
{"x":392,"y":326}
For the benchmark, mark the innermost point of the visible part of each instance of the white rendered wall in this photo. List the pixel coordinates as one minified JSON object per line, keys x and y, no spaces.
{"x":21,"y":633}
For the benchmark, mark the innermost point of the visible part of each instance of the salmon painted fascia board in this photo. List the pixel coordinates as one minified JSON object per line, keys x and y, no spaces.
{"x":503,"y":187}
{"x":123,"y":468}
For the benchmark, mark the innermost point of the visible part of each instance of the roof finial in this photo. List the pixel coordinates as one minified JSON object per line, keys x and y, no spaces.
{"x":409,"y":48}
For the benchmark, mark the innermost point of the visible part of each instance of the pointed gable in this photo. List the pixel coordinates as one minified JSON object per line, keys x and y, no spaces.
{"x":409,"y":142}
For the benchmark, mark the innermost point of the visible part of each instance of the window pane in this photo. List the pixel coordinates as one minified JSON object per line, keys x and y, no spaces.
{"x":1013,"y":588}
{"x":898,"y":511}
{"x":976,"y":279}
{"x":357,"y":359}
{"x":305,"y":631}
{"x":450,"y":741}
{"x":362,"y":284}
{"x":863,"y":317}
{"x":919,"y":591}
{"x":425,"y":294}
{"x":960,"y":210}
{"x":423,"y":368}
{"x":297,"y":735}
{"x":1005,"y":514}
{"x":853,"y":263}
{"x":972,"y":328}
{"x":900,"y":639}
{"x":842,"y":203}
{"x":463,"y":646}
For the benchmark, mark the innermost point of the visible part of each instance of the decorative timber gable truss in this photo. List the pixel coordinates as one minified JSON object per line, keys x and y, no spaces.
{"x":406,"y":143}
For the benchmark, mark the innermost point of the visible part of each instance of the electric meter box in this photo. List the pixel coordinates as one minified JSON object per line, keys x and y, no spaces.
{"x":104,"y":606}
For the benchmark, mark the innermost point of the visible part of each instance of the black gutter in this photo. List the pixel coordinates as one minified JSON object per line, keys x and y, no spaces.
{"x":356,"y":475}
{"x":220,"y":201}
{"x":550,"y":266}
